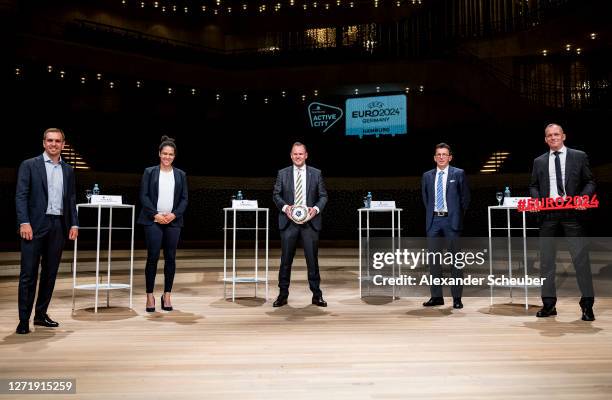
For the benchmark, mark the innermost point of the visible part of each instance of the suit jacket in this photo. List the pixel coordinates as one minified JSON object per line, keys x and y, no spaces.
{"x":32,"y":194}
{"x":149,"y":193}
{"x":284,"y":194}
{"x":578,"y":177}
{"x":457,"y":196}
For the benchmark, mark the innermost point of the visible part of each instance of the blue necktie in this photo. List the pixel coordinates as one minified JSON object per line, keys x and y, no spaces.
{"x":440,"y":192}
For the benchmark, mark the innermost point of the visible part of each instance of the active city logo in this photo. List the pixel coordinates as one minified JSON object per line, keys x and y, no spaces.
{"x":323,"y":115}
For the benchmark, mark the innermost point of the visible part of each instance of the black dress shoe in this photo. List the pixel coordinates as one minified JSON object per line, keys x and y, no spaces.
{"x":45,"y":321}
{"x":434,"y":301}
{"x":587,"y":313}
{"x":23,"y":328}
{"x":164,"y":307}
{"x":318,"y":301}
{"x":280,"y":301}
{"x":546,"y":311}
{"x":457,"y":302}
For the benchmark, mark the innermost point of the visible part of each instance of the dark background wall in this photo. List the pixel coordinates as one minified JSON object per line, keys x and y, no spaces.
{"x":473,"y":71}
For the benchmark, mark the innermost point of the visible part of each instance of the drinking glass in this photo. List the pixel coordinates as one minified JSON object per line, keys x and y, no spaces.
{"x":499,"y":196}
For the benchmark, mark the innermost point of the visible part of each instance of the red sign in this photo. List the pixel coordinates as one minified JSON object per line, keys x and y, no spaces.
{"x":559,"y":203}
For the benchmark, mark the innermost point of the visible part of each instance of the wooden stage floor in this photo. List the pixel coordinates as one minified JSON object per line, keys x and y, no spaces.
{"x":373,"y":348}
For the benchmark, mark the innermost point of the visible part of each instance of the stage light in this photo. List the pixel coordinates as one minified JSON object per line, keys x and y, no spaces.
{"x":138,"y":84}
{"x":291,"y":2}
{"x":217,"y":97}
{"x":244,"y":6}
{"x":398,"y":4}
{"x":407,"y":89}
{"x":218,"y":2}
{"x":62,"y":74}
{"x":83,"y":79}
{"x":98,"y":76}
{"x":142,"y":4}
{"x":203,"y":8}
{"x":216,"y":12}
{"x":266,"y":100}
{"x":169,"y":90}
{"x":593,"y":36}
{"x":568,"y":47}
{"x":186,"y":10}
{"x":174,"y":8}
{"x":163,"y":8}
{"x":377,"y":89}
{"x":326,"y":6}
{"x":244,"y":97}
{"x":156,"y":4}
{"x":283,"y":94}
{"x":193,"y":92}
{"x":124,"y":2}
{"x":338,"y":3}
{"x":375,"y":3}
{"x":17,"y":71}
{"x":305,"y":6}
{"x":421,"y":88}
{"x":544,"y":52}
{"x":303,"y":97}
{"x":356,"y":91}
{"x":314,"y":4}
{"x":352,"y":4}
{"x":316,"y":93}
{"x":578,"y":50}
{"x":111,"y":84}
{"x":49,"y":68}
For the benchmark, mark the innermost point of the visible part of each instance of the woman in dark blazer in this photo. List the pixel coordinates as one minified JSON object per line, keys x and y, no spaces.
{"x":163,"y":196}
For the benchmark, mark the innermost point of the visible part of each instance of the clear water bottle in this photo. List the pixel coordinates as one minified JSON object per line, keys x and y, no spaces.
{"x":239,"y":195}
{"x":507,"y":192}
{"x":369,"y":200}
{"x":96,"y":190}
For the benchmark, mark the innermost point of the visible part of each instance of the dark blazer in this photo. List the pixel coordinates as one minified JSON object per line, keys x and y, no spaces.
{"x":32,"y":194}
{"x":149,"y":193}
{"x":578,"y":177}
{"x":457,"y":196}
{"x":283,"y":194}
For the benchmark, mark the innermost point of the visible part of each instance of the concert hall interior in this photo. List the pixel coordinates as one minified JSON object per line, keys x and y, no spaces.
{"x":236,"y":83}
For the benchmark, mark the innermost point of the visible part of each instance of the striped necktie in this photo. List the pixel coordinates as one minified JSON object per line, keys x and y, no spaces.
{"x":299,"y":190}
{"x":440,"y":192}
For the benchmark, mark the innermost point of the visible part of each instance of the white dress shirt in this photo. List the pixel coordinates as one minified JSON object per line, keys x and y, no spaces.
{"x":302,"y":172}
{"x":165,"y":199}
{"x":552,"y":172}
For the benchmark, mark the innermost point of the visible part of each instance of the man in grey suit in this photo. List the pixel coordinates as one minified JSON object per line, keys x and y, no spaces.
{"x":562,"y":172}
{"x":46,"y":214}
{"x":299,"y":185}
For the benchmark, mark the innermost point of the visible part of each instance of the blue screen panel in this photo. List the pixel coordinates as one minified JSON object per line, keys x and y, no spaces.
{"x":380,"y":115}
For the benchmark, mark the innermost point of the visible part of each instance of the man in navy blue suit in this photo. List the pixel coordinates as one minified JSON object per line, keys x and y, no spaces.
{"x":46,"y":214}
{"x":299,"y":185}
{"x":446,"y":197}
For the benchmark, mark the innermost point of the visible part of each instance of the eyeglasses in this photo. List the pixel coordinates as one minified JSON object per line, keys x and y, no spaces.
{"x":443,"y":155}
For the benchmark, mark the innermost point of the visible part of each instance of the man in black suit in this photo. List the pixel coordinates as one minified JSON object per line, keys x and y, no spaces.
{"x":46,"y":214}
{"x":299,"y":185}
{"x":562,"y":172}
{"x":446,"y":197}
